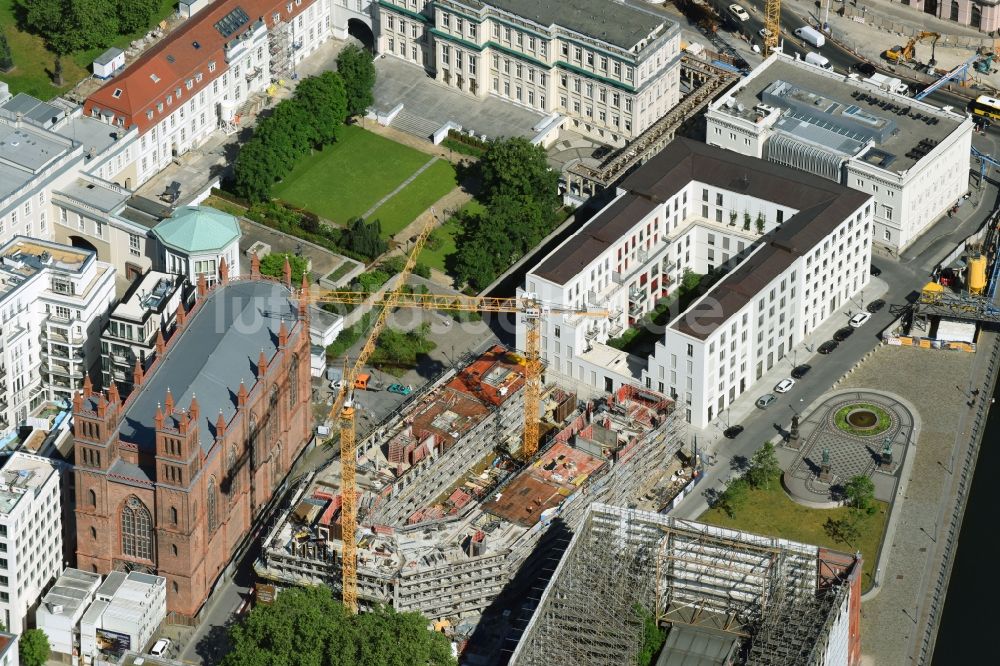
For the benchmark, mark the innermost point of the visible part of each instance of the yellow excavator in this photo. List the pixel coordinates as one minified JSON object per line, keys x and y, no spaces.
{"x":905,"y":53}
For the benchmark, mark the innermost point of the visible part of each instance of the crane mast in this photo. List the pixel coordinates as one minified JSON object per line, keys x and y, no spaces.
{"x":772,"y":25}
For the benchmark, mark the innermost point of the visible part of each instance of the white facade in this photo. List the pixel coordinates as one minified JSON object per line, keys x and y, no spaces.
{"x":62,"y":607}
{"x":129,"y":607}
{"x":30,"y":535}
{"x":635,"y":251}
{"x":912,"y":190}
{"x":612,"y":82}
{"x":150,"y":306}
{"x":54,"y":301}
{"x":9,"y":652}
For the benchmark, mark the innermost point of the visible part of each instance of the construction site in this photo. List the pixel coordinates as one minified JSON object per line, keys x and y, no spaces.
{"x":722,"y":597}
{"x":449,"y":509}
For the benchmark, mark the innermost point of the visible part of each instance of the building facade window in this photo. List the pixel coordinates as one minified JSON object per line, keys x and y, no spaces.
{"x":213,"y":505}
{"x":137,"y":530}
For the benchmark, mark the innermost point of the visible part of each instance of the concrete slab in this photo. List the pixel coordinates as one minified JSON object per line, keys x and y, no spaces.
{"x":421,"y":96}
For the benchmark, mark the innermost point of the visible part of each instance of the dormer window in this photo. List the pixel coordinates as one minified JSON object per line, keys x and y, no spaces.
{"x":170,"y":100}
{"x":177,"y":92}
{"x":198,"y":77}
{"x":149,"y":115}
{"x":117,"y":93}
{"x":155,"y":78}
{"x":211,"y":65}
{"x":288,"y":7}
{"x":189,"y":84}
{"x":159,"y":107}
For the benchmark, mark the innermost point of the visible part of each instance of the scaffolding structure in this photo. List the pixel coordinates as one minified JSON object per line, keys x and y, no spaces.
{"x":279,"y":45}
{"x":623,"y":565}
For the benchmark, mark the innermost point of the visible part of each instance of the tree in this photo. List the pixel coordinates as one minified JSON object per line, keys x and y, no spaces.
{"x":254,"y":172}
{"x":516,"y":167}
{"x":273,"y":265}
{"x":307,"y":626}
{"x":734,"y":496}
{"x":760,"y":223}
{"x":34,"y":648}
{"x":6,"y":57}
{"x":482,"y":251}
{"x":859,"y":492}
{"x":364,"y":238}
{"x":401,"y":349}
{"x":764,"y":467}
{"x":356,"y":68}
{"x":746,"y":221}
{"x":324,"y":101}
{"x":135,"y":15}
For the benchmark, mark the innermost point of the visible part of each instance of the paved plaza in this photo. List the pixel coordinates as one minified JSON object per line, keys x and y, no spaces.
{"x":826,"y":456}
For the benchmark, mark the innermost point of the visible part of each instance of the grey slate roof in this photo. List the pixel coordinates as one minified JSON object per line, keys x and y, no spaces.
{"x":607,"y":20}
{"x":822,"y":205}
{"x":217,"y":349}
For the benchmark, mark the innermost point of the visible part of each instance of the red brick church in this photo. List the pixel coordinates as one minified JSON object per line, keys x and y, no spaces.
{"x":171,"y":481}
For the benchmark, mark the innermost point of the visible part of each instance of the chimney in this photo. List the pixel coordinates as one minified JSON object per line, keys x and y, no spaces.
{"x":287,"y":271}
{"x":88,"y":388}
{"x":113,"y":395}
{"x":158,"y":419}
{"x":195,"y":408}
{"x":161,"y":345}
{"x":241,"y":397}
{"x":137,"y":373}
{"x":202,"y":286}
{"x":261,"y":364}
{"x":282,"y":335}
{"x":223,"y":271}
{"x":169,"y":402}
{"x":181,"y":315}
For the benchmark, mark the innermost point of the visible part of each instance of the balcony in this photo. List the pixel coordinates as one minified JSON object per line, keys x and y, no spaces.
{"x":65,"y":336}
{"x":636,"y":295}
{"x":253,"y":74}
{"x":62,"y":353}
{"x":616,"y":330}
{"x":634,"y":310}
{"x":65,"y":370}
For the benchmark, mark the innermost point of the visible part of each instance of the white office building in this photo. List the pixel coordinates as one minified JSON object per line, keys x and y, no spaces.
{"x":9,"y":652}
{"x":53,"y":304}
{"x":792,"y":249}
{"x":30,"y":535}
{"x":610,"y":68}
{"x":127,"y":611}
{"x":62,"y":608}
{"x":912,"y":157}
{"x":147,"y":309}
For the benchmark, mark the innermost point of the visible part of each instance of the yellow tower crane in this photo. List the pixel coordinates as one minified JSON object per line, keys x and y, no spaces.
{"x":772,"y":25}
{"x":527,"y":306}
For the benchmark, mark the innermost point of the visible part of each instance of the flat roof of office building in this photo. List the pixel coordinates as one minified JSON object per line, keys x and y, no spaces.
{"x":612,"y":22}
{"x":841,"y":114}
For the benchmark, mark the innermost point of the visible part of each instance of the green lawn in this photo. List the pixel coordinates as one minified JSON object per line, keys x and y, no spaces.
{"x":404,"y":207}
{"x":436,"y":258}
{"x":772,"y":513}
{"x":348,"y":177}
{"x":34,"y":63}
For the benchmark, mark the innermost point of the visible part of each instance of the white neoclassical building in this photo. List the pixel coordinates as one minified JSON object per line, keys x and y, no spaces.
{"x":610,"y":68}
{"x":793,"y":248}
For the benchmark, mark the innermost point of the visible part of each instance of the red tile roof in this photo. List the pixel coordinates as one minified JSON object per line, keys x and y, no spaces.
{"x":178,"y":58}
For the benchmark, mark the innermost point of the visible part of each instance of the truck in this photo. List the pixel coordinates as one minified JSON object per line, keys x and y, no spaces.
{"x":811,"y":36}
{"x":819,"y":60}
{"x":888,"y":83}
{"x":365,"y":382}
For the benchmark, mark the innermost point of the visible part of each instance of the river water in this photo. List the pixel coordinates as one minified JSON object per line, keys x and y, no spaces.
{"x":968,"y":624}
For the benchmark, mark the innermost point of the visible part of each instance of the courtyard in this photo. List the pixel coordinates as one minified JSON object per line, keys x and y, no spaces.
{"x":369,"y":176}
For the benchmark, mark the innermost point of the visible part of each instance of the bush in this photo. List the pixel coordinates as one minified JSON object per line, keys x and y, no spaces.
{"x":348,"y":337}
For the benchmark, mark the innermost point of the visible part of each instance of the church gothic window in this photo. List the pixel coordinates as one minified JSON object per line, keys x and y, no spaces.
{"x":137,"y":530}
{"x":213,"y":509}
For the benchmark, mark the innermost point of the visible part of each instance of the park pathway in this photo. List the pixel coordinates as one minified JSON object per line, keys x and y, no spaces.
{"x":368,"y":213}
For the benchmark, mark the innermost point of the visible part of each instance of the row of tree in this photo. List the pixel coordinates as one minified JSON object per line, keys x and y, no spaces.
{"x":306,"y":122}
{"x":521,"y":196}
{"x":74,"y":25}
{"x":764,"y":472}
{"x":307,"y":626}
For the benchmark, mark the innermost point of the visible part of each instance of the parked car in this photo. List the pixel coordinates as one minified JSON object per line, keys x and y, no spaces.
{"x":827,"y":347}
{"x":160,"y":647}
{"x":860,"y":319}
{"x":764,"y":33}
{"x":875,"y":305}
{"x":765,"y":400}
{"x":784,"y":386}
{"x":739,"y":13}
{"x":732,"y":432}
{"x":337,"y":384}
{"x":843,"y":333}
{"x":865,"y":68}
{"x":875,"y":270}
{"x":400,"y":389}
{"x":800,"y":371}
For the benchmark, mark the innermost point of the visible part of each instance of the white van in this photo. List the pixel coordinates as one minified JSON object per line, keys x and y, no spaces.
{"x":811,"y":36}
{"x":819,"y":60}
{"x":888,"y":83}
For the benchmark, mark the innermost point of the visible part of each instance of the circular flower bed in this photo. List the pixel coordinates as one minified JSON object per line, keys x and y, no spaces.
{"x":863,"y":419}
